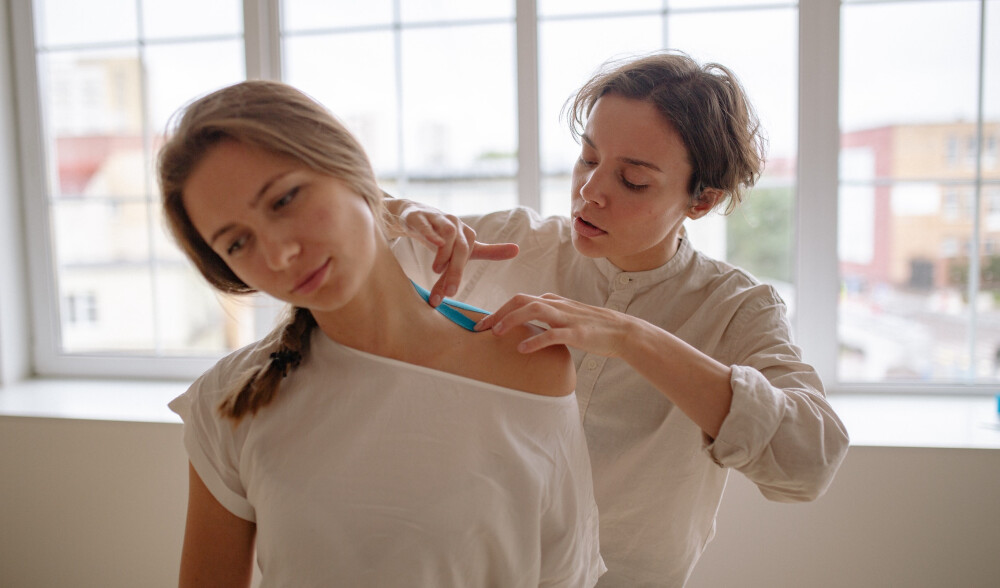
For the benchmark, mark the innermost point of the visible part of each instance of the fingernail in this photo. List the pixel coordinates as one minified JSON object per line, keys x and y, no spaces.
{"x":435,"y":300}
{"x":451,"y":290}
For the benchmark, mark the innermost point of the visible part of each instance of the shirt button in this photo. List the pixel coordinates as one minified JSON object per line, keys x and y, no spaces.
{"x":591,"y":364}
{"x":622,"y":279}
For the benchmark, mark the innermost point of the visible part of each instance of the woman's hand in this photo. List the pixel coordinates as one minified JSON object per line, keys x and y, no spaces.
{"x":454,"y":242}
{"x":595,"y":330}
{"x":696,"y":383}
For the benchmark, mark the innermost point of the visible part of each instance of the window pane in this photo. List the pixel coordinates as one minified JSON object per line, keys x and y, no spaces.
{"x":459,"y":107}
{"x":305,"y":15}
{"x":178,"y":73}
{"x":362,"y":93}
{"x":92,"y":103}
{"x":121,"y":284}
{"x":905,"y":267}
{"x":459,"y":196}
{"x":176,"y":19}
{"x":565,"y":63}
{"x":760,"y":47}
{"x":102,"y":250}
{"x":454,"y":10}
{"x":908,"y":62}
{"x":61,"y":22}
{"x":709,"y":4}
{"x":915,"y":218}
{"x":581,"y":7}
{"x":991,"y":69}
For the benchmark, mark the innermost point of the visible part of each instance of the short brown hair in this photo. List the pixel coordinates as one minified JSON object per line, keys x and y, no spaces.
{"x":707,"y":106}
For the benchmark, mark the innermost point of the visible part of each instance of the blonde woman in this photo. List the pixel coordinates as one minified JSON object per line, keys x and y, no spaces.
{"x":370,"y":440}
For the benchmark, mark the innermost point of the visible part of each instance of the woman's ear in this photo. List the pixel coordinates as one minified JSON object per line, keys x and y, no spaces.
{"x":703,"y":203}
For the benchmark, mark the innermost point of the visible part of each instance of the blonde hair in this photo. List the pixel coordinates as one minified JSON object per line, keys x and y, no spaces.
{"x":707,"y":106}
{"x":279,"y":119}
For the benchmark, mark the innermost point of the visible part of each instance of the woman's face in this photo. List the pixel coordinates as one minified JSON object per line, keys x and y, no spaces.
{"x":303,"y":237}
{"x":630,"y":185}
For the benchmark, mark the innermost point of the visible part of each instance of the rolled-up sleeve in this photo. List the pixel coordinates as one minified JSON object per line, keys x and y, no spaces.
{"x":780,"y":432}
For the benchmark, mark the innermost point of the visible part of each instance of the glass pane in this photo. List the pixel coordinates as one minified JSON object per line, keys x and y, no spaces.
{"x":459,"y":106}
{"x":106,"y":308}
{"x":304,"y":15}
{"x":361,"y":92}
{"x":61,"y":22}
{"x":191,"y":18}
{"x":178,"y":73}
{"x":92,"y":103}
{"x":759,"y":235}
{"x":910,"y":309}
{"x":565,"y":63}
{"x":100,"y":231}
{"x":460,"y":196}
{"x":761,"y":48}
{"x":906,"y":63}
{"x":453,"y":10}
{"x":905,"y":267}
{"x":581,"y":7}
{"x":102,"y":247}
{"x":991,"y":69}
{"x":193,"y":319}
{"x":710,"y":4}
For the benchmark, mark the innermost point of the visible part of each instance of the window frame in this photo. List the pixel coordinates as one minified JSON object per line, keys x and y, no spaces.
{"x":817,"y":181}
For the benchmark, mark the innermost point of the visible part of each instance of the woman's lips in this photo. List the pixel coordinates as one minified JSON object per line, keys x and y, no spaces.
{"x":586,"y":229}
{"x":313,"y":280}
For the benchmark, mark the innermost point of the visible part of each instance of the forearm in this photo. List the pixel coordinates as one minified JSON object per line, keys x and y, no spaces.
{"x":696,"y":383}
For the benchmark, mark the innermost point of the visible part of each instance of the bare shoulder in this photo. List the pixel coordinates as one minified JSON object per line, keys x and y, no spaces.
{"x":495,"y":359}
{"x":546,"y":372}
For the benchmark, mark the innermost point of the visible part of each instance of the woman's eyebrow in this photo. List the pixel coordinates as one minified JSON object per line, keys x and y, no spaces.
{"x":631,"y":161}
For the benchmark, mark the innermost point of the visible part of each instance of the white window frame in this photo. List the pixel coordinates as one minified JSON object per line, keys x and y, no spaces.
{"x":815,"y":267}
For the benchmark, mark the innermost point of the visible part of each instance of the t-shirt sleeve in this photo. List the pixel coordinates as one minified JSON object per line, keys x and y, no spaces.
{"x":570,"y":527}
{"x":213,"y":443}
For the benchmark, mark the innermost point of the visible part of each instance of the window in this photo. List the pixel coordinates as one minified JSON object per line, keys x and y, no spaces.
{"x":458,"y":105}
{"x":923,"y":302}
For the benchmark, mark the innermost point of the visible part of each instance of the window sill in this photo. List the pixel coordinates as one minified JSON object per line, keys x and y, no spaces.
{"x":106,"y":400}
{"x":875,"y":420}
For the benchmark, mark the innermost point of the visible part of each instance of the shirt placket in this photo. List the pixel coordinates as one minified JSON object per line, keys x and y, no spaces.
{"x":621,"y":292}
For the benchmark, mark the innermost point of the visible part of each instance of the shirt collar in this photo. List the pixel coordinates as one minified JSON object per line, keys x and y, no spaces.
{"x":643,"y":279}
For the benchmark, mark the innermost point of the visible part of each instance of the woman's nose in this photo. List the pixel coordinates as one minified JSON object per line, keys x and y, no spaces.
{"x":592,"y":188}
{"x":278,"y":250}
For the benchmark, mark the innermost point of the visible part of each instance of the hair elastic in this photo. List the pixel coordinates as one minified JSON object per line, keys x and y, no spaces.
{"x":281,"y":360}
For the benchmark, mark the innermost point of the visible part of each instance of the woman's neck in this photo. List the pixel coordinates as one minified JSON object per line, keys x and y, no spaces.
{"x":387,"y":317}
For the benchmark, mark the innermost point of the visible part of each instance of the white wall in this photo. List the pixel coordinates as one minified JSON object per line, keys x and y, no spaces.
{"x":893,"y":517}
{"x":90,"y":504}
{"x":101,"y":504}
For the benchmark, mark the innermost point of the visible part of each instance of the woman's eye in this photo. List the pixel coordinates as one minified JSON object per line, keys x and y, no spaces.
{"x":584,"y":161}
{"x":285,"y":199}
{"x":236,"y":246}
{"x":634,"y":187}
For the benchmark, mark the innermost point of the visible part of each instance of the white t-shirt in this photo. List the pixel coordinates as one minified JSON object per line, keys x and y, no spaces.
{"x":366,"y":471}
{"x":658,"y":479}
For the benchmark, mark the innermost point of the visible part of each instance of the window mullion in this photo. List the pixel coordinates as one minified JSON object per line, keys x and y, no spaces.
{"x":977,"y":198}
{"x":38,"y":243}
{"x":528,"y":152}
{"x":262,"y":39}
{"x":817,"y":275}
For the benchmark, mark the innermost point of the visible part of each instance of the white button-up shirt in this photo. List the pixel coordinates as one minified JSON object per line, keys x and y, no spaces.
{"x":658,"y":479}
